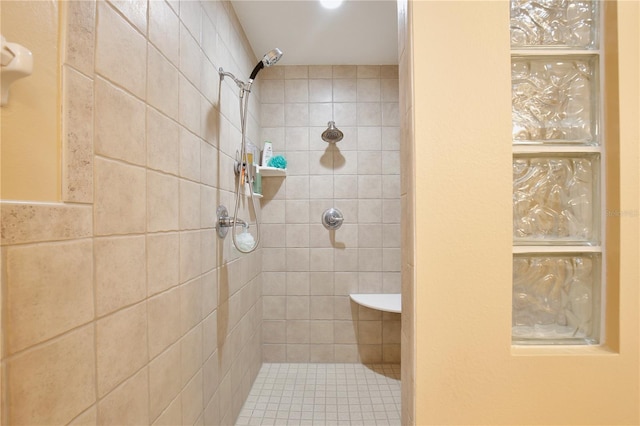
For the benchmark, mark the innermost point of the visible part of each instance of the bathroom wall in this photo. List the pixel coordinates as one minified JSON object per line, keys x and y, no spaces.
{"x":309,"y":271}
{"x":120,"y":304}
{"x":407,"y":189}
{"x":30,"y":155}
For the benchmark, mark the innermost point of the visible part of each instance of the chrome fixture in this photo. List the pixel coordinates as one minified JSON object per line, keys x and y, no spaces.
{"x":332,"y":134}
{"x":225,"y":222}
{"x":246,"y":245}
{"x":270,"y":58}
{"x":332,"y":219}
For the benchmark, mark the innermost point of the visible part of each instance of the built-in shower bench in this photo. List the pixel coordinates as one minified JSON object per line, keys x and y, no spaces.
{"x":390,"y":302}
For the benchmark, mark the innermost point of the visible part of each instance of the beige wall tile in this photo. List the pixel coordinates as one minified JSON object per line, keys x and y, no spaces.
{"x":53,"y":383}
{"x":391,"y":332}
{"x":296,"y":114}
{"x":128,"y":404}
{"x":192,"y":400}
{"x":212,"y":411}
{"x":162,"y":83}
{"x":321,"y":353}
{"x":274,"y":307}
{"x":368,"y":90}
{"x":164,"y":29}
{"x":208,"y":164}
{"x":274,"y":283}
{"x":346,"y":353}
{"x":210,"y":335}
{"x":190,"y":255}
{"x":88,"y":418}
{"x":114,"y":36}
{"x":190,"y":56}
{"x":190,"y":304}
{"x":274,"y":353}
{"x":297,"y":331}
{"x":368,"y":71}
{"x":297,"y":283}
{"x":163,"y":149}
{"x":369,"y":354}
{"x":163,"y":262}
{"x":191,"y":349}
{"x":189,"y":155}
{"x":172,"y":415}
{"x":47,"y":294}
{"x":296,"y":71}
{"x":321,"y":307}
{"x":344,"y":332}
{"x":189,"y":105}
{"x":391,"y":354}
{"x":369,"y":332}
{"x":120,"y":193}
{"x":39,"y":222}
{"x":77,"y":128}
{"x":165,"y":380}
{"x":297,"y":307}
{"x":116,"y":361}
{"x":120,"y":272}
{"x":320,"y":71}
{"x":274,"y":332}
{"x":164,"y":321}
{"x":189,"y":205}
{"x":209,"y":293}
{"x":81,"y":32}
{"x":118,"y":115}
{"x":321,"y":332}
{"x":163,"y":202}
{"x":135,"y":11}
{"x":298,"y":353}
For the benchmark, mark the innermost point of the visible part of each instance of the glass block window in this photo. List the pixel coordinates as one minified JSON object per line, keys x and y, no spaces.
{"x":558,"y":181}
{"x":556,"y":298}
{"x":554,"y":100}
{"x":555,"y":199}
{"x":554,"y":23}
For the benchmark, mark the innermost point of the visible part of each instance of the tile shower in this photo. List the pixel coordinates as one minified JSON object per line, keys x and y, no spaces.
{"x":151,"y":143}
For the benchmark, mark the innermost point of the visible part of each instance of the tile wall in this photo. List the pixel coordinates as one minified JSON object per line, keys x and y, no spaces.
{"x":309,"y":271}
{"x":120,"y":305}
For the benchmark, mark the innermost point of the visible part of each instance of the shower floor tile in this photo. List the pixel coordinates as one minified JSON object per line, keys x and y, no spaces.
{"x":324,"y":394}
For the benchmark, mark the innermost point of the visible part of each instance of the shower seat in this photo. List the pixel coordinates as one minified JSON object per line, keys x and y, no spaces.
{"x":390,"y":302}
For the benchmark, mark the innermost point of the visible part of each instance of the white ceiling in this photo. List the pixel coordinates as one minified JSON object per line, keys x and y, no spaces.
{"x":359,"y":32}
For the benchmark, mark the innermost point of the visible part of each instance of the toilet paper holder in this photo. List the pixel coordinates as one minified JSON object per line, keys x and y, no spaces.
{"x":17,"y":62}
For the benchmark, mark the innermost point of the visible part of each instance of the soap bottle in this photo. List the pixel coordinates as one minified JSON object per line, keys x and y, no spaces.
{"x":267,"y":153}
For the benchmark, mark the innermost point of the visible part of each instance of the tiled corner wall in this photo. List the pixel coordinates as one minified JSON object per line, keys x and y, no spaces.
{"x":120,"y":304}
{"x":309,"y":271}
{"x":408,"y":364}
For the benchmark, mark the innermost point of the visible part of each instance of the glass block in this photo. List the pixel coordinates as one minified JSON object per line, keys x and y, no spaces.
{"x":556,"y":299}
{"x":554,"y":23}
{"x":556,"y":199}
{"x":554,"y":100}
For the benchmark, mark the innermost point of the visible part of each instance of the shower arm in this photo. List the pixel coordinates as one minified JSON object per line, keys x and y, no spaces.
{"x":244,"y":87}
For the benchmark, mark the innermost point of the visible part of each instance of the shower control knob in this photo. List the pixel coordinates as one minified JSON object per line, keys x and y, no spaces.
{"x":332,"y":218}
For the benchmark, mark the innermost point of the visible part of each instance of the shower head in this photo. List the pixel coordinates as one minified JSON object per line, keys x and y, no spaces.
{"x":270,"y":58}
{"x":332,"y":134}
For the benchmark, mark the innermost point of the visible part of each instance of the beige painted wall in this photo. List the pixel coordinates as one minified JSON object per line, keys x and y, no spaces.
{"x":30,"y":121}
{"x":467,"y":372}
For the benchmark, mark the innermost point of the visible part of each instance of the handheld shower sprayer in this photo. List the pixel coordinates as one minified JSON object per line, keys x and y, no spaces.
{"x":270,"y":58}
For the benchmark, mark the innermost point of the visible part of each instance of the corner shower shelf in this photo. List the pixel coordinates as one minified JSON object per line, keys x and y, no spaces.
{"x":391,"y":302}
{"x":271,"y":171}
